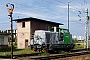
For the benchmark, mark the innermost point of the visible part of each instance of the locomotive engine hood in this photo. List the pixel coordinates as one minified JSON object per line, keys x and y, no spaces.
{"x":39,"y":37}
{"x":46,"y":37}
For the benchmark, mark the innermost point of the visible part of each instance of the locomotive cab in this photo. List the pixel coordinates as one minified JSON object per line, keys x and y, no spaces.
{"x":65,"y":37}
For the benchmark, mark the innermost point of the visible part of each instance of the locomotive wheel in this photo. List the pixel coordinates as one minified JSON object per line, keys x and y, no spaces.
{"x":44,"y":50}
{"x":33,"y":49}
{"x":38,"y":50}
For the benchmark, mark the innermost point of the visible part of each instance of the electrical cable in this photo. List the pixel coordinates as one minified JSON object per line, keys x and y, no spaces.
{"x":28,"y":6}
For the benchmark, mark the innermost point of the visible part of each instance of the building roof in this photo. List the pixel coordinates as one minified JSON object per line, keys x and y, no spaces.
{"x":4,"y":33}
{"x":36,"y":19}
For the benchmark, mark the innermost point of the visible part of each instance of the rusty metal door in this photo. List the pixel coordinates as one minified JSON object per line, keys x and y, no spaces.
{"x":26,"y":43}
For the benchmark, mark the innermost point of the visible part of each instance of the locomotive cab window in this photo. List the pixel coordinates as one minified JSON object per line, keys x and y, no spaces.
{"x":23,"y":24}
{"x":64,"y":31}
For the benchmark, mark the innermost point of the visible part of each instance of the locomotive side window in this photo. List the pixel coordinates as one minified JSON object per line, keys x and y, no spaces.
{"x":52,"y":29}
{"x":57,"y":29}
{"x":61,"y":31}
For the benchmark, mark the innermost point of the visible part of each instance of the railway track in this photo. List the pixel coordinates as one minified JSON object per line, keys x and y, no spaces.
{"x":34,"y":56}
{"x":56,"y":56}
{"x":77,"y":50}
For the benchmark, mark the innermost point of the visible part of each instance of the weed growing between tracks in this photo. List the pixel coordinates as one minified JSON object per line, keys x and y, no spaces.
{"x":44,"y":54}
{"x":63,"y":52}
{"x":7,"y":51}
{"x":48,"y":54}
{"x":79,"y":45}
{"x":23,"y":51}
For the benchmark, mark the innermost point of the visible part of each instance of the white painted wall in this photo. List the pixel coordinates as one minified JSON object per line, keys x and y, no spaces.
{"x":22,"y":34}
{"x":5,"y":39}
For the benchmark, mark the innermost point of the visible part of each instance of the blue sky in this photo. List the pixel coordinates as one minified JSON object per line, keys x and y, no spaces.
{"x":51,"y":10}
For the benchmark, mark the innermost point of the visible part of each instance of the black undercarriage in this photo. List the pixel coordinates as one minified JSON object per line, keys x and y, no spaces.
{"x":52,"y":47}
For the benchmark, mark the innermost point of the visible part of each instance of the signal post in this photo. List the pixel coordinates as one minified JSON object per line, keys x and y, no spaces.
{"x":10,"y":8}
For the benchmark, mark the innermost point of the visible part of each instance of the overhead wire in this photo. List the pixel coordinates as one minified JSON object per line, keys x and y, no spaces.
{"x":44,"y":0}
{"x":61,"y":2}
{"x":35,"y":8}
{"x":74,"y":8}
{"x":29,"y":7}
{"x":26,"y":10}
{"x":64,"y":4}
{"x":77,"y":22}
{"x":71,"y":8}
{"x":26,"y":6}
{"x":46,"y":13}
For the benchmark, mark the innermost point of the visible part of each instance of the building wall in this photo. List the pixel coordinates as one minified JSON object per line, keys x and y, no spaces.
{"x":30,"y":27}
{"x":5,"y":39}
{"x":23,"y":33}
{"x":39,"y":25}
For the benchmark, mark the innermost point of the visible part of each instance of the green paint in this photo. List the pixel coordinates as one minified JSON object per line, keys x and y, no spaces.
{"x":66,"y":38}
{"x":66,"y":34}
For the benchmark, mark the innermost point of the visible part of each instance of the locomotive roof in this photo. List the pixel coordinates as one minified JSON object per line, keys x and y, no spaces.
{"x":60,"y":28}
{"x":64,"y":28}
{"x":36,"y":19}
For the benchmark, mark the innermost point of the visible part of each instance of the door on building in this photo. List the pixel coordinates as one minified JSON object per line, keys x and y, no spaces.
{"x":26,"y":43}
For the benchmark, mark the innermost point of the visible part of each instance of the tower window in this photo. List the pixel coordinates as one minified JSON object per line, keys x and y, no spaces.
{"x":23,"y":24}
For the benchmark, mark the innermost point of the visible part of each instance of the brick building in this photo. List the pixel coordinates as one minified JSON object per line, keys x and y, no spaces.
{"x":26,"y":28}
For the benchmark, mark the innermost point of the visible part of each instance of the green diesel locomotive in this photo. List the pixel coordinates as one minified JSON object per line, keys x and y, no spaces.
{"x":54,"y":40}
